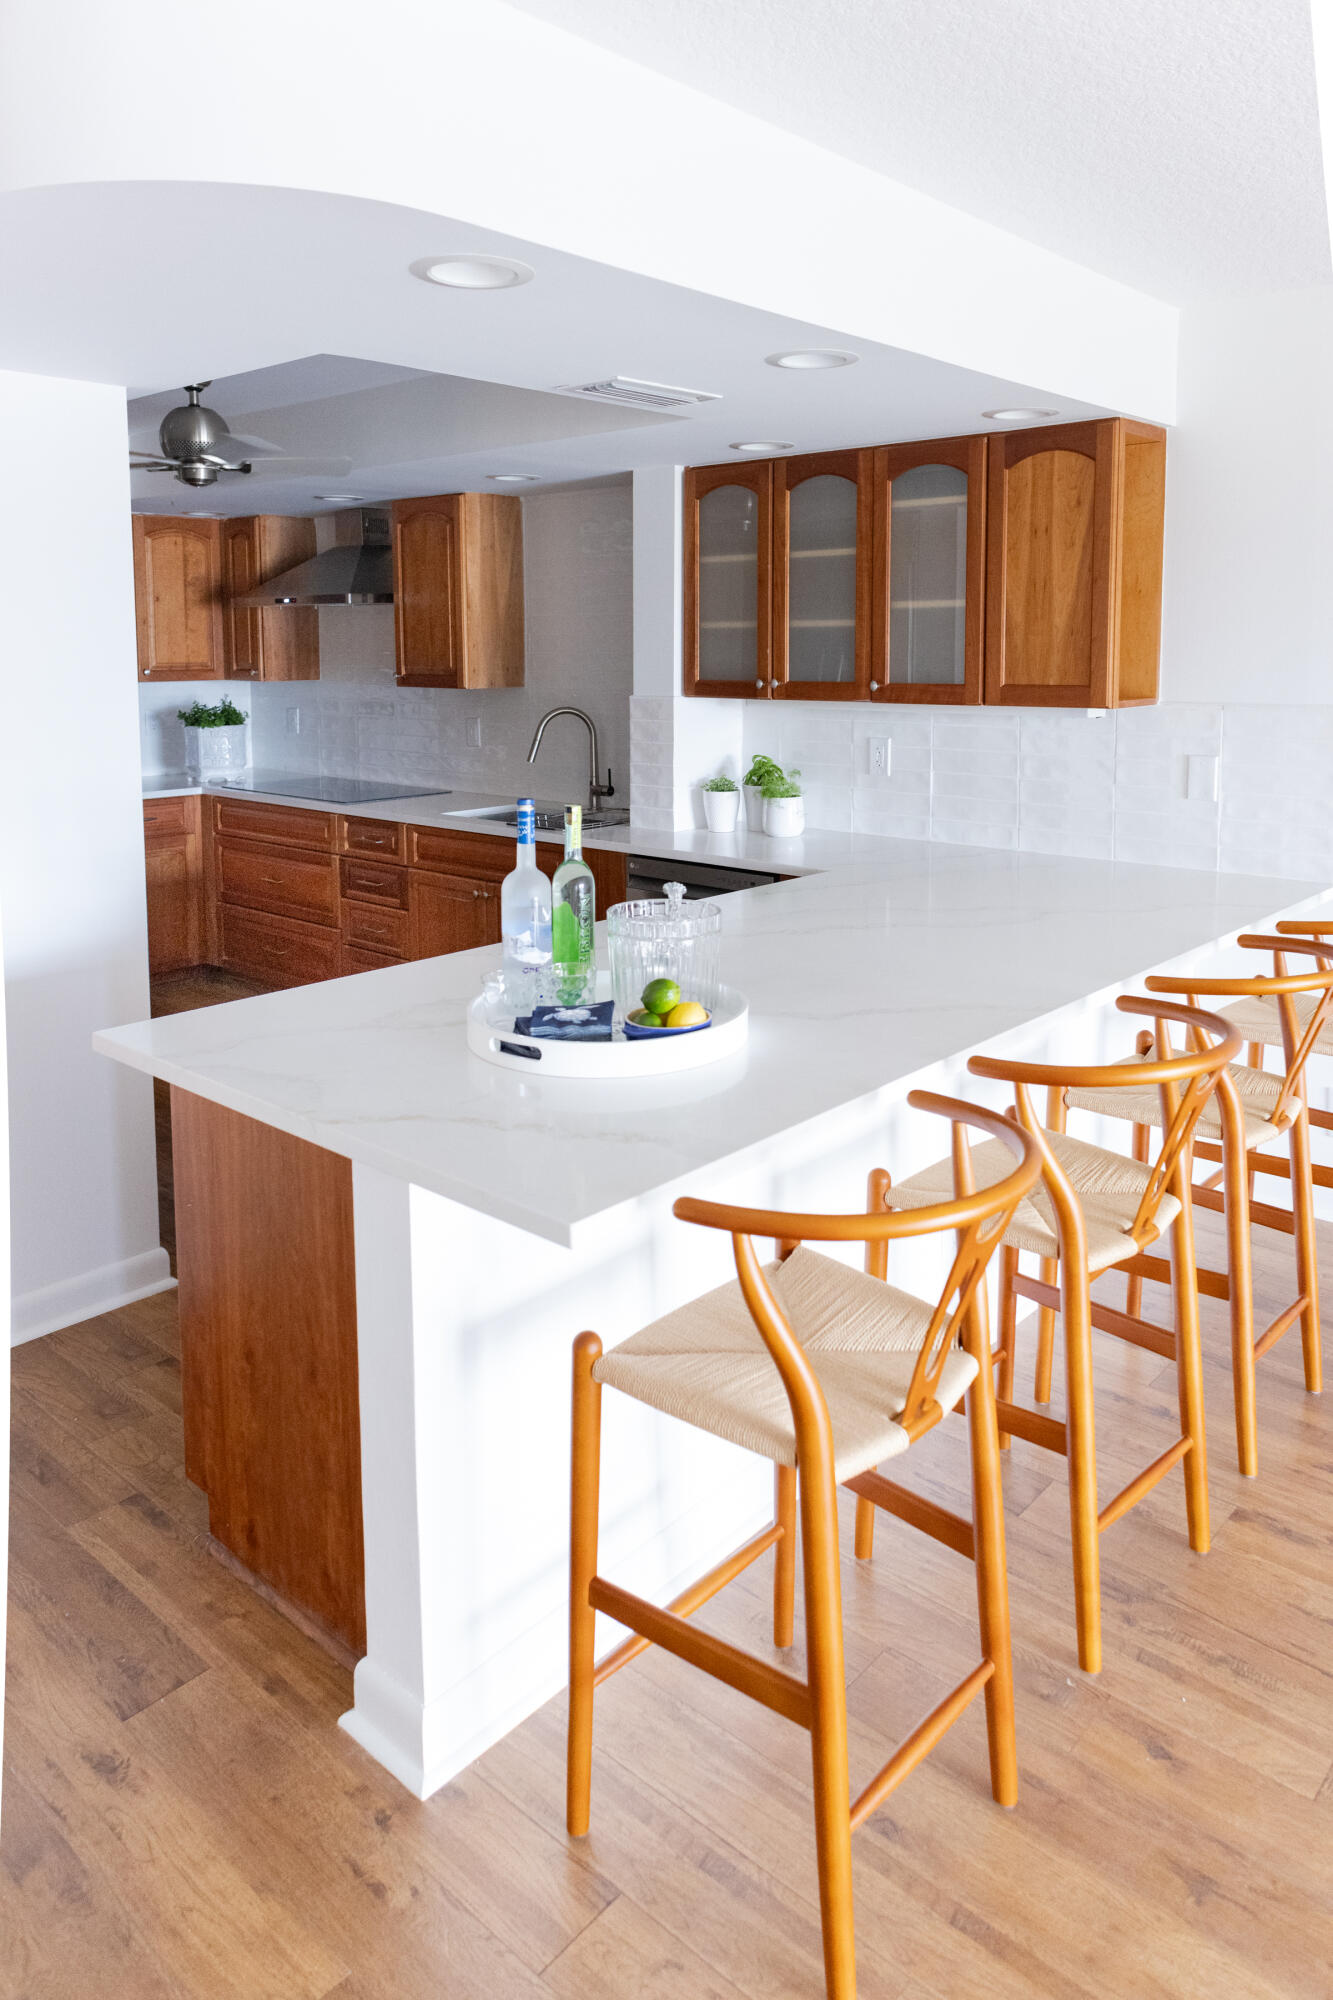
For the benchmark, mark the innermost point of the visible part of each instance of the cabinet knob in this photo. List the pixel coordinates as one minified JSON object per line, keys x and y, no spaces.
{"x":146,"y":672}
{"x":760,"y":686}
{"x":476,"y":892}
{"x":874,"y":687}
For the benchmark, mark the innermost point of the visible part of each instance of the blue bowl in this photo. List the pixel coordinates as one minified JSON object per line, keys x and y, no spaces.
{"x":635,"y":1033}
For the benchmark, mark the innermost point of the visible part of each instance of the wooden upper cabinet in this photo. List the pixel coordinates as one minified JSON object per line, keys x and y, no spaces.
{"x":458,"y":590}
{"x":929,"y":571}
{"x":177,"y":598}
{"x":281,"y":644}
{"x":823,"y":561}
{"x":728,"y":582}
{"x":1074,"y":568}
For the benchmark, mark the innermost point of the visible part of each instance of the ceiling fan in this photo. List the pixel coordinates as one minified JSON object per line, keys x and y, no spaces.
{"x":195,"y":445}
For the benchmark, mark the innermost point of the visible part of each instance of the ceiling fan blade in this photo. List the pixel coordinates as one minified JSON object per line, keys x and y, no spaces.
{"x":301,"y":468}
{"x":140,"y":462}
{"x":259,"y":447}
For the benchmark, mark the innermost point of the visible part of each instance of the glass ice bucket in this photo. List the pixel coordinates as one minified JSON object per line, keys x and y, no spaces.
{"x":664,"y":938}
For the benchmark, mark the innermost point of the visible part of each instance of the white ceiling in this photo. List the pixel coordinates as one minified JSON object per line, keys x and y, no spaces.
{"x":1170,"y":144}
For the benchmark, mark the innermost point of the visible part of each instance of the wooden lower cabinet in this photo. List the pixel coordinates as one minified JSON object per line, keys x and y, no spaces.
{"x":269,"y":1382}
{"x":173,"y":863}
{"x":278,"y":949}
{"x":452,"y":913}
{"x":290,"y":895}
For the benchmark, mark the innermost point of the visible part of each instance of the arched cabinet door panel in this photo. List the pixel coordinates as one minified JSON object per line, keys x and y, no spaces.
{"x":1074,"y":569}
{"x":728,"y":531}
{"x":929,"y":571}
{"x":823,"y":562}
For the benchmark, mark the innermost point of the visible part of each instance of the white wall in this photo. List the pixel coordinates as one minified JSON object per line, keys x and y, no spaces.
{"x":84,"y":1183}
{"x":578,"y":590}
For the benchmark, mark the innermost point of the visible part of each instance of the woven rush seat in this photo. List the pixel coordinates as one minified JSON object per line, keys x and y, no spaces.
{"x":1257,"y":1089}
{"x":1109,"y":1189}
{"x":707,"y":1364}
{"x":1258,"y":1018}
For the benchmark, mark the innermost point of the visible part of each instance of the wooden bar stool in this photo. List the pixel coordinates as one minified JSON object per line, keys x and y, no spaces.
{"x":1253,"y":1107}
{"x":1095,"y":1210}
{"x":827,"y":1371}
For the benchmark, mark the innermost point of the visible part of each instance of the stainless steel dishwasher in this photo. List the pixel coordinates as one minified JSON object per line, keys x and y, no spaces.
{"x":649,"y":872}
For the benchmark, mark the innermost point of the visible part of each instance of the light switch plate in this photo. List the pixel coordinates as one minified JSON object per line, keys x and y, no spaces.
{"x":1201,"y":778}
{"x":474,"y":731}
{"x":879,"y":750}
{"x":293,"y":719}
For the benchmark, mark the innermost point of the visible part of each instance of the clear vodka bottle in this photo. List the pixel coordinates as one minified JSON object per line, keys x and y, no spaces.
{"x":525,"y":921}
{"x":573,"y":914}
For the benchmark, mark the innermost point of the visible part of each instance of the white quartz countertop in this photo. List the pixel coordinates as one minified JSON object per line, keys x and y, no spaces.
{"x":896,"y":958}
{"x":813,"y":851}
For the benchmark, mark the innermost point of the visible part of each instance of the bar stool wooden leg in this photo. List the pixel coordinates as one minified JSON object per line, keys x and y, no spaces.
{"x":828,"y":1730}
{"x":1057,"y":1117}
{"x":784,"y":1555}
{"x":1134,"y":1286}
{"x":877,"y":1263}
{"x":1076,"y":1311}
{"x":865,"y":1530}
{"x":1004,"y":1381}
{"x":1240,"y":1282}
{"x":1189,"y":1373}
{"x":992,"y":1580}
{"x":584,"y":1484}
{"x":1307,"y":1261}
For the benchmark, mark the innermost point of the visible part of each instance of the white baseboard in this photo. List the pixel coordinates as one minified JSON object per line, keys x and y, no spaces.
{"x":91,"y":1293}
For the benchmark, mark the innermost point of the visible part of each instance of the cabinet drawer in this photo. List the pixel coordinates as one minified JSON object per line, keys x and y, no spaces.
{"x":165,"y":816}
{"x":273,"y":879}
{"x":376,"y":929}
{"x":275,"y":948}
{"x":292,"y":825}
{"x":384,"y":837}
{"x":374,"y":882}
{"x":354,"y":959}
{"x":470,"y":854}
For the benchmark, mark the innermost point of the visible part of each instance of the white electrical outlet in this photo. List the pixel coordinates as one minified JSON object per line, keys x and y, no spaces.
{"x":474,"y":731}
{"x":880,"y":749}
{"x":293,"y":720}
{"x":1201,"y":778}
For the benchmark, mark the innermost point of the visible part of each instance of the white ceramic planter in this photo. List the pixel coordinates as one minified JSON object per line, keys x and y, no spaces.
{"x":215,"y":753}
{"x":721,"y":811}
{"x":784,"y":818}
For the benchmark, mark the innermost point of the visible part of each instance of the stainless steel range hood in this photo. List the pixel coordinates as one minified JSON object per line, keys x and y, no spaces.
{"x":358,"y":569}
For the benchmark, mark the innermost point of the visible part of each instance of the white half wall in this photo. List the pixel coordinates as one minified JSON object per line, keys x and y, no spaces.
{"x":83,"y":1174}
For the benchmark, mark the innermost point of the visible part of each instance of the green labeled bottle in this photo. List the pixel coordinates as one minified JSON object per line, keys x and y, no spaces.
{"x":573,"y":914}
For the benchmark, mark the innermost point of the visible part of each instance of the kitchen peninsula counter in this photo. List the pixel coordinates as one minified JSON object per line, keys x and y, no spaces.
{"x":483,"y":1217}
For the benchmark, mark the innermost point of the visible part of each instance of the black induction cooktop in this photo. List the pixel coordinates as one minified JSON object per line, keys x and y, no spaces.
{"x":328,"y":791}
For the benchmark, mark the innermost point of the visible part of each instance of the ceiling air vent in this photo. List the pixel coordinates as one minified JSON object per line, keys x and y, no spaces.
{"x":639,"y":395}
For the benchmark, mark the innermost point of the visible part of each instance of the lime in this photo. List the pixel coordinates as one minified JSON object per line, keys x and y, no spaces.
{"x":661,"y":995}
{"x":643,"y":1019}
{"x":687,"y":1014}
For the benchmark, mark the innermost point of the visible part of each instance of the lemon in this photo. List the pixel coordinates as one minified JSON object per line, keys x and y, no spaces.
{"x":643,"y":1019}
{"x":660,"y":995}
{"x":686,"y":1014}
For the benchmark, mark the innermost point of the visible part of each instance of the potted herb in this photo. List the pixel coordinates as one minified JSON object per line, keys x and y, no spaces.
{"x":722,"y":803}
{"x":761,"y":769}
{"x":215,"y":738}
{"x":784,"y":807}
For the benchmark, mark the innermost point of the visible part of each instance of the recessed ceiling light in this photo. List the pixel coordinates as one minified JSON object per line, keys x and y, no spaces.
{"x":1018,"y":416}
{"x":473,"y":274}
{"x":767,"y":445}
{"x":813,"y":357}
{"x":512,"y":478}
{"x":347,"y":499}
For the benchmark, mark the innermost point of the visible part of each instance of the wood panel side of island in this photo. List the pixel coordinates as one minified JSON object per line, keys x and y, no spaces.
{"x":268,"y":1355}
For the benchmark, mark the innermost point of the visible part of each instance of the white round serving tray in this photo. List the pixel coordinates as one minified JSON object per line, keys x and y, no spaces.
{"x":656,"y":1056}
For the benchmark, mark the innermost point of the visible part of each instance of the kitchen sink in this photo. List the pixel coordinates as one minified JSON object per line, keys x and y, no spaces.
{"x":552,"y":819}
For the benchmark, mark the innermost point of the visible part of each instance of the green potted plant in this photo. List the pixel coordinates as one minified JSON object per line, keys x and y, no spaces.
{"x":216,"y":743}
{"x":784,"y":807}
{"x":722,"y":803}
{"x":761,"y":769}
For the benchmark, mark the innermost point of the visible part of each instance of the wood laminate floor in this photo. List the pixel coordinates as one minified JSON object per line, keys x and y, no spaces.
{"x":184,"y":1821}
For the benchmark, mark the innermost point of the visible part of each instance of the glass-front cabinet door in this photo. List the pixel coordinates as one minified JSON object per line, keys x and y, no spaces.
{"x":930,"y":571}
{"x":728,"y":581}
{"x":823,"y":519}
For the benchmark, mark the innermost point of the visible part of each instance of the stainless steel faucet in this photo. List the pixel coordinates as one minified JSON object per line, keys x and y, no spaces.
{"x":597,"y":791}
